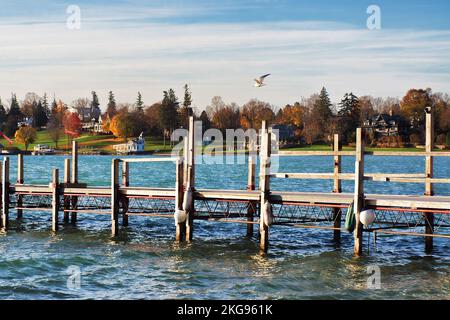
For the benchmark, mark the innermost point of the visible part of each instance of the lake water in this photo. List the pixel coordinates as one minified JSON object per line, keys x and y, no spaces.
{"x":221,"y":263}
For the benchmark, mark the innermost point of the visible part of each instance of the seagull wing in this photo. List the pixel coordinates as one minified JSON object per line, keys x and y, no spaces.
{"x":264,"y":76}
{"x":258,"y":81}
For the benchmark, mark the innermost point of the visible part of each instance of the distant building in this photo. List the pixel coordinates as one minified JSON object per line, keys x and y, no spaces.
{"x":86,"y":114}
{"x":25,"y":122}
{"x":386,"y":125}
{"x":135,"y":145}
{"x":286,"y":132}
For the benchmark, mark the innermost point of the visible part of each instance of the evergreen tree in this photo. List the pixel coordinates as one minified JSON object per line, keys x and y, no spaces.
{"x":3,"y":115}
{"x":54,"y":109}
{"x":40,"y":117}
{"x":168,"y":112}
{"x":349,"y":115}
{"x":320,"y":116}
{"x":45,"y":106}
{"x":322,"y":106}
{"x":14,"y":108}
{"x":187,"y":97}
{"x":206,"y":122}
{"x":139,"y":103}
{"x":111,"y":109}
{"x":95,"y":106}
{"x":186,"y":110}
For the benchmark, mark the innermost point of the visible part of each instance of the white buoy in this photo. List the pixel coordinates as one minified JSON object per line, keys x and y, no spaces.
{"x":267,"y":214}
{"x":180,"y":216}
{"x":367,"y":217}
{"x":187,"y":200}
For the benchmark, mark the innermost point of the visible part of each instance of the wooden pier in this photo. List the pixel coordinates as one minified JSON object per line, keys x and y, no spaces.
{"x":255,"y":205}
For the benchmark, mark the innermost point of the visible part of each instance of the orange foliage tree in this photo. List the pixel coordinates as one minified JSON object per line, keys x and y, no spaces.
{"x":25,"y":135}
{"x":121,"y":125}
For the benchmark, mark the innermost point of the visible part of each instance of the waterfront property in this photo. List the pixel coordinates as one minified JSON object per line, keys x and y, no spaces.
{"x":260,"y":206}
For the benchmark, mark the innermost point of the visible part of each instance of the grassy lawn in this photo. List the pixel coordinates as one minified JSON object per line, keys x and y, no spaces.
{"x":105,"y":143}
{"x":100,"y":142}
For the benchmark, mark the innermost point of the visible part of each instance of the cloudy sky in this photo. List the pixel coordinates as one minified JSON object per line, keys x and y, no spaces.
{"x":218,"y":47}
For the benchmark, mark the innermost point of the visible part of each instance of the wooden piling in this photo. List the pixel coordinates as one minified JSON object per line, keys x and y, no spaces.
{"x":74,"y":179}
{"x":66,"y":181}
{"x":115,"y":197}
{"x":180,"y":227}
{"x":264,"y":185}
{"x":250,"y":187}
{"x":125,"y":200}
{"x":20,"y":180}
{"x":5,"y":193}
{"x":337,"y":188}
{"x":359,"y":192}
{"x":55,"y":199}
{"x":429,"y":164}
{"x":185,"y":160}
{"x":190,"y":179}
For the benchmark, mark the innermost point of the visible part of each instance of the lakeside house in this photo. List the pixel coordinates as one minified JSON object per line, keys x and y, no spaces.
{"x":386,"y":125}
{"x":135,"y":145}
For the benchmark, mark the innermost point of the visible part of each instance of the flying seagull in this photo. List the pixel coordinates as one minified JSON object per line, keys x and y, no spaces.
{"x":259,"y":82}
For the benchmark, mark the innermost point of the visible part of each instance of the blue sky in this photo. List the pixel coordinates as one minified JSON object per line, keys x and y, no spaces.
{"x":218,"y":47}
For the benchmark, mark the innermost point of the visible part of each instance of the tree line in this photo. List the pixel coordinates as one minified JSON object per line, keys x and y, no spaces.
{"x":313,"y":120}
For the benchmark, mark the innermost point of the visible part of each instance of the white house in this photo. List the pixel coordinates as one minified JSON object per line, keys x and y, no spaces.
{"x":135,"y":145}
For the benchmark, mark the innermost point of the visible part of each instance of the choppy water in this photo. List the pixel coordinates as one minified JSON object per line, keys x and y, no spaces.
{"x":146,"y":263}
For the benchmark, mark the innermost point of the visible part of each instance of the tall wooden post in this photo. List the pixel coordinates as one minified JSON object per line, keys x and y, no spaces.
{"x":185,"y":160}
{"x":5,"y":193}
{"x":250,"y":187}
{"x":115,"y":197}
{"x":66,"y":181}
{"x":264,"y":186}
{"x":125,"y":200}
{"x":1,"y":188}
{"x":337,"y":188}
{"x":190,"y":179}
{"x":429,"y":145}
{"x":19,"y":181}
{"x":55,"y":199}
{"x":179,"y":191}
{"x":74,"y":179}
{"x":359,"y":192}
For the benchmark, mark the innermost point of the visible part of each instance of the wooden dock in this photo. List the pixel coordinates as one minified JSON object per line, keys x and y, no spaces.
{"x":256,"y":205}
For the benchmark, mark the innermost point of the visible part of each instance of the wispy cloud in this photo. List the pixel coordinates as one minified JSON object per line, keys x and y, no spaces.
{"x":217,"y":58}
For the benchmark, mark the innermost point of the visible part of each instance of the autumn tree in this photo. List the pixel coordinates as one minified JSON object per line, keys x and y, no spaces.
{"x":223,"y":116}
{"x":25,"y":135}
{"x":121,"y":125}
{"x":152,"y":119}
{"x":254,"y":112}
{"x":413,"y":105}
{"x":72,"y":125}
{"x":54,"y":129}
{"x":367,"y":110}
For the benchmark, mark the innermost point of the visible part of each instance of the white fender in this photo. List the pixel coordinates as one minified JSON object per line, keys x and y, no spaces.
{"x":187,"y":200}
{"x":180,"y":216}
{"x":267,"y":214}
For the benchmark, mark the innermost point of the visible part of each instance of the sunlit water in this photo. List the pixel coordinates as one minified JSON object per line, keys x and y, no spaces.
{"x":146,"y":263}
